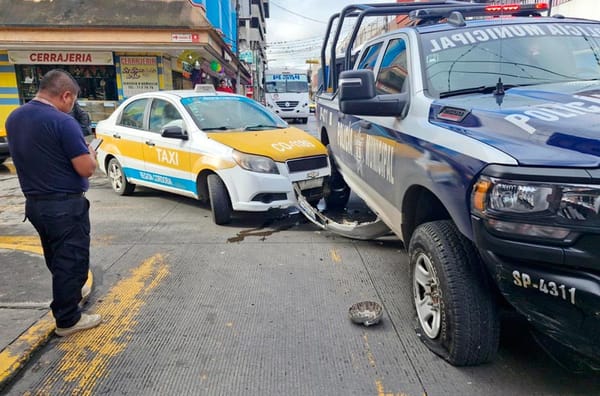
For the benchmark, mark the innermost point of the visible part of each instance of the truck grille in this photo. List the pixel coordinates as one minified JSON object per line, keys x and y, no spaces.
{"x":304,"y":164}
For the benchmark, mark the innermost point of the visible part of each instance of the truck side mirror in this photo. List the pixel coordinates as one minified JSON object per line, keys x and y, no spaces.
{"x":357,"y":84}
{"x":357,"y":95}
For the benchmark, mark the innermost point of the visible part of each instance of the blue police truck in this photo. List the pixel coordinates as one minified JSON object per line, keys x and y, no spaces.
{"x":475,"y":137}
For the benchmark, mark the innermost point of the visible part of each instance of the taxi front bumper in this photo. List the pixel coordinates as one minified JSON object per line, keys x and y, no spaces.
{"x":260,"y":192}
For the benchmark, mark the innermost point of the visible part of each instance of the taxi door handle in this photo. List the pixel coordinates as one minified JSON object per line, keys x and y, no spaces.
{"x":116,"y":136}
{"x":150,"y":143}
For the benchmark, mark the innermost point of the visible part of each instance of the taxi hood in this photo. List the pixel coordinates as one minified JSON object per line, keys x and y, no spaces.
{"x":277,"y":144}
{"x":554,"y":125}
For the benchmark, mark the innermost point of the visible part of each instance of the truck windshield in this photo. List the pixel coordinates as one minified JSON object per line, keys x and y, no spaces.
{"x":519,"y":54}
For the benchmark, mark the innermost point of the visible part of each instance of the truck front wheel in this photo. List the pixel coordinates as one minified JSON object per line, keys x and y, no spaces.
{"x":457,"y":316}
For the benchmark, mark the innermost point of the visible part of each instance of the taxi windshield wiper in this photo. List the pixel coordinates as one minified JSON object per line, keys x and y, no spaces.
{"x":218,"y":128}
{"x":261,"y":126}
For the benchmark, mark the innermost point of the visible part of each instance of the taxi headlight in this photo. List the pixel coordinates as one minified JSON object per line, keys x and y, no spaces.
{"x":536,"y":209}
{"x":255,"y":163}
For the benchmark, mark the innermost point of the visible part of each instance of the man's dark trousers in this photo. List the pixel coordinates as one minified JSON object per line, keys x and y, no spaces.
{"x":63,"y":223}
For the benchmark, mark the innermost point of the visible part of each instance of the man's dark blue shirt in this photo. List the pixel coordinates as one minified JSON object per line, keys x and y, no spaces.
{"x":42,"y":141}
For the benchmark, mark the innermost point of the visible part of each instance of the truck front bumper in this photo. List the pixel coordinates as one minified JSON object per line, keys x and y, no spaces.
{"x":557,"y":288}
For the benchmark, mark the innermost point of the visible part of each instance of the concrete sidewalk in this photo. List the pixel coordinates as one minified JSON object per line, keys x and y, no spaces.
{"x":26,"y":322}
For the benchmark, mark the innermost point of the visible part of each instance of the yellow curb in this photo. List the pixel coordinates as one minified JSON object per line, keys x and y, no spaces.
{"x":18,"y":352}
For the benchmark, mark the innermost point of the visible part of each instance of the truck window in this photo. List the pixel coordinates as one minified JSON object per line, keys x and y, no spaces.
{"x":369,"y":57}
{"x":393,"y":70}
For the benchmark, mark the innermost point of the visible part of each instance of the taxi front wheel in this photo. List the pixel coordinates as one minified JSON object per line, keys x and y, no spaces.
{"x":117,"y":178}
{"x":220,"y":203}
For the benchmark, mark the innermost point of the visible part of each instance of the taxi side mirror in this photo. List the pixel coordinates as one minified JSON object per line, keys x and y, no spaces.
{"x":174,"y":132}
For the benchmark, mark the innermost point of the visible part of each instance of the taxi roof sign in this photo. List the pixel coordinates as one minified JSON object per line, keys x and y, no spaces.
{"x":206,"y":88}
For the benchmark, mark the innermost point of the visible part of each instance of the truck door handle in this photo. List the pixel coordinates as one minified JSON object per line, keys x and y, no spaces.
{"x":150,"y":143}
{"x":116,"y":136}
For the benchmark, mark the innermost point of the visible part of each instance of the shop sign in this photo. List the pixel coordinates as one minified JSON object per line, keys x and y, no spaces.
{"x":139,"y":74}
{"x":246,"y":56}
{"x":60,"y":58}
{"x":185,"y":37}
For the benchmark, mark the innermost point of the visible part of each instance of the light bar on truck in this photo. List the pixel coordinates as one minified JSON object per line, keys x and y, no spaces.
{"x":438,"y":13}
{"x":510,"y":8}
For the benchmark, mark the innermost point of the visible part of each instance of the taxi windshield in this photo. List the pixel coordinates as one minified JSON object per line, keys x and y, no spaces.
{"x":472,"y":60}
{"x":227,"y":113}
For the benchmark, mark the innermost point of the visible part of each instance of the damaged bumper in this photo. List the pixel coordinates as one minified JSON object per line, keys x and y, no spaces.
{"x":556,"y":288}
{"x":353,"y":230}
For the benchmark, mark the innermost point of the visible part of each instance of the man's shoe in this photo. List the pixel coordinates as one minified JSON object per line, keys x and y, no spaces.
{"x":86,"y":322}
{"x":86,"y":290}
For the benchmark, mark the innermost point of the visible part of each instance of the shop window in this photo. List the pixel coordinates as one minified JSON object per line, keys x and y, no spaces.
{"x":95,"y":82}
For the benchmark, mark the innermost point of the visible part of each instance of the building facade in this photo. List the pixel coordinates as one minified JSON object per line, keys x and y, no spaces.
{"x":114,"y":49}
{"x":252,"y":42}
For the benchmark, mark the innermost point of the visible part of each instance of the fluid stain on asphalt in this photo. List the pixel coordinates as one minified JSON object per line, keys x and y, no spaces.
{"x":259,"y":232}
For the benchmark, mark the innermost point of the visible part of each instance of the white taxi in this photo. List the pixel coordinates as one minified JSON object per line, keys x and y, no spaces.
{"x":213,"y":146}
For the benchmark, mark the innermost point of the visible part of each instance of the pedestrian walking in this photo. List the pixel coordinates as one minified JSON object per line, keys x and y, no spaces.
{"x":83,"y":118}
{"x":53,"y":164}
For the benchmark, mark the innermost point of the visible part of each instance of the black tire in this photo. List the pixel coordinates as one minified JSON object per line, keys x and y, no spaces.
{"x":338,"y":193}
{"x":220,"y":203}
{"x":457,"y":314}
{"x":117,"y":178}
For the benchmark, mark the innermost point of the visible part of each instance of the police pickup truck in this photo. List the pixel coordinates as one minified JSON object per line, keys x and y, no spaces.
{"x":475,"y":137}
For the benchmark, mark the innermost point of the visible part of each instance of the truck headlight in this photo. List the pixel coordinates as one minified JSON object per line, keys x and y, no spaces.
{"x":255,"y":163}
{"x":536,"y":209}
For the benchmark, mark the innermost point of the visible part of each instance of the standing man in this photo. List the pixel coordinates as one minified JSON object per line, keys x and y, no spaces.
{"x":53,"y":164}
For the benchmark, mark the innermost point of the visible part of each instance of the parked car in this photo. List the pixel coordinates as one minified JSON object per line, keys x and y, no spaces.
{"x":4,"y":154}
{"x":212,"y":146}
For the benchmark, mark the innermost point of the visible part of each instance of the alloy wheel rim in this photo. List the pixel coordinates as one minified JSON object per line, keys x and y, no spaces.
{"x":116,"y":177}
{"x":427,"y":296}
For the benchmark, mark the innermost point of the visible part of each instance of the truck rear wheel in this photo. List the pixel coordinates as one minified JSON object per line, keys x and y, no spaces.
{"x":457,"y":316}
{"x":338,"y":192}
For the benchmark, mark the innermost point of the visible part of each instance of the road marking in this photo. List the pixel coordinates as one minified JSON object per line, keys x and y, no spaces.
{"x":25,"y":243}
{"x":87,"y":354}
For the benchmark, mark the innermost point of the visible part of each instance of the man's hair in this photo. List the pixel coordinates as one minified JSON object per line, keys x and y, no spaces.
{"x":57,"y":81}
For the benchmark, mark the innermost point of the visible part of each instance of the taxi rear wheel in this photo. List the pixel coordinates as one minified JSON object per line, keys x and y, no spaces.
{"x":117,"y":178}
{"x":220,"y":203}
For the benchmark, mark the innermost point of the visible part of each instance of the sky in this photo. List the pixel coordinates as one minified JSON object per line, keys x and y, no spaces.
{"x":295,"y":29}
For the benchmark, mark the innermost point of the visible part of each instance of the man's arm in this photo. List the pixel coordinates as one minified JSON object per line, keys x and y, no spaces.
{"x":85,"y":164}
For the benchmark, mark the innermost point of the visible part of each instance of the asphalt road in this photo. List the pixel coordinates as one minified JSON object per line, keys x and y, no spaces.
{"x":258,"y":307}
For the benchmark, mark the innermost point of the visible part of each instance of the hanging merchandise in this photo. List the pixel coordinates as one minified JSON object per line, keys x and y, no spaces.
{"x":215,"y":66}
